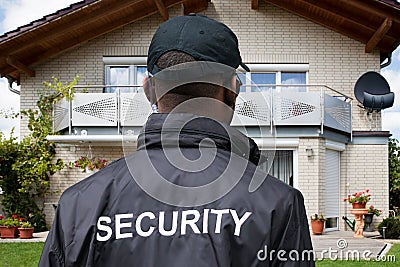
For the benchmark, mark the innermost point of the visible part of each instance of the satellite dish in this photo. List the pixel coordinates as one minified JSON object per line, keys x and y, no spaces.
{"x":373,"y":91}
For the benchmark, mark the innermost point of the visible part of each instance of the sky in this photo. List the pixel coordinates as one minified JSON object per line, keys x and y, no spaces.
{"x":15,"y":13}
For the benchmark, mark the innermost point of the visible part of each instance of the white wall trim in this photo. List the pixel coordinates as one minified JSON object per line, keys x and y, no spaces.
{"x":266,"y":143}
{"x":125,"y":60}
{"x":335,"y":145}
{"x":296,"y":168}
{"x":278,"y":67}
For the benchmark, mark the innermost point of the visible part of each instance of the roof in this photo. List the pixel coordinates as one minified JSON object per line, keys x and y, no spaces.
{"x":45,"y":19}
{"x":376,"y":23}
{"x":74,"y":25}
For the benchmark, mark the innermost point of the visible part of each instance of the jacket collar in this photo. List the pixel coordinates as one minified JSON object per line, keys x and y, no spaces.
{"x":192,"y":130}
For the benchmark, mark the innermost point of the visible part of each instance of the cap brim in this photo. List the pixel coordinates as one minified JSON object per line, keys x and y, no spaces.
{"x":244,"y":66}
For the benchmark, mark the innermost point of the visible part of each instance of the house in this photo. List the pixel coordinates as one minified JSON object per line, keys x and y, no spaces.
{"x":305,"y":56}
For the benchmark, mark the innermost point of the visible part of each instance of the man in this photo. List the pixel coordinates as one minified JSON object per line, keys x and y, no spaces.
{"x":191,"y":195}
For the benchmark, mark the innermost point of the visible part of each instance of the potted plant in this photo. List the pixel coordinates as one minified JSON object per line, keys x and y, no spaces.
{"x":359,"y":199}
{"x":11,"y":227}
{"x":317,"y":224}
{"x":1,"y":223}
{"x":25,"y":230}
{"x":369,"y":217}
{"x":90,"y":164}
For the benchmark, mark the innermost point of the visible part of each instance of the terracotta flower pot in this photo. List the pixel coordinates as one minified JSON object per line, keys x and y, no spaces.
{"x":317,"y":227}
{"x":1,"y":229}
{"x":358,"y":205}
{"x":8,"y":232}
{"x":25,"y":233}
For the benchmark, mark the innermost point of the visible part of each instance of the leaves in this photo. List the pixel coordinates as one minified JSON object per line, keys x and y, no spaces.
{"x":394,"y":173}
{"x":26,"y":166}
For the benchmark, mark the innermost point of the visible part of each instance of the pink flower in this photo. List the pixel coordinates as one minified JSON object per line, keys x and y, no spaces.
{"x":30,"y":215}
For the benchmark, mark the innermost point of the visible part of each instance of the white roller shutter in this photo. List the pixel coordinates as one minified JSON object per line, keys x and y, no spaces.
{"x":332,"y":183}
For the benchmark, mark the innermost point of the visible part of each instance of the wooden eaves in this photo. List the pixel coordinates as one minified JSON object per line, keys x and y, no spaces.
{"x":376,"y":23}
{"x":70,"y":27}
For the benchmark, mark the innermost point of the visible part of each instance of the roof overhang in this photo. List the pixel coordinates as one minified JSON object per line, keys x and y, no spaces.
{"x":74,"y":25}
{"x":376,"y":23}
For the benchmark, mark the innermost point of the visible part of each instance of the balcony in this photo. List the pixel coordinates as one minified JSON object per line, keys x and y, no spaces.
{"x":108,"y":116}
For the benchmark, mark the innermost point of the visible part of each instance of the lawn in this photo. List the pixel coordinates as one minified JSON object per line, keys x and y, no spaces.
{"x":20,"y":254}
{"x":27,"y":255}
{"x":395,"y":250}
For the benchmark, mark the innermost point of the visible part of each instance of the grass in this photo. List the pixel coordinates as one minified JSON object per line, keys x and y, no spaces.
{"x":20,"y":254}
{"x":394,"y":250}
{"x":28,"y":254}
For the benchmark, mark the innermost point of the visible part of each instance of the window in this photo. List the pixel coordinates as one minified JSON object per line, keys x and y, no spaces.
{"x":124,"y":71}
{"x":280,"y":77}
{"x":282,"y":166}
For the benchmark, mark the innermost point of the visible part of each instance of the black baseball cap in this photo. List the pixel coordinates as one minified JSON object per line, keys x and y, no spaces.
{"x":203,"y":38}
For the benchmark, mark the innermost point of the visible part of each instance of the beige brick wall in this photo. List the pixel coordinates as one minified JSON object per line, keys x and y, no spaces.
{"x":366,"y":166}
{"x":267,"y":35}
{"x":311,"y":174}
{"x":69,"y":176}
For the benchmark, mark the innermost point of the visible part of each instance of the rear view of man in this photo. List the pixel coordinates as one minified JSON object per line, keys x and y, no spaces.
{"x":185,"y":197}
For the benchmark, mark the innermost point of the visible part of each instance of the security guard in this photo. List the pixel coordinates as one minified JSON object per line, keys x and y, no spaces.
{"x":191,"y":195}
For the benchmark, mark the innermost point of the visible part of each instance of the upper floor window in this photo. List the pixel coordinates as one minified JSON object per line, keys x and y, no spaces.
{"x":279,"y":77}
{"x":126,"y":73}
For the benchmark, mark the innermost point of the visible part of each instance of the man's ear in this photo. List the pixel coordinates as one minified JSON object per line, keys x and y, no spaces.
{"x":230,"y":96}
{"x":149,"y":90}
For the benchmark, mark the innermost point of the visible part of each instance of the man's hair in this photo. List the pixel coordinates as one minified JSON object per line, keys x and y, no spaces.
{"x":187,"y":91}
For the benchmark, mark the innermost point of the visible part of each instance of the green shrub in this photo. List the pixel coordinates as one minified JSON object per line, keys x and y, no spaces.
{"x":392,"y":225}
{"x":26,"y":166}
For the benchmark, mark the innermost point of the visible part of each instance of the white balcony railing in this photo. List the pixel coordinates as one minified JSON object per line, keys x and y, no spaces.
{"x":274,"y":107}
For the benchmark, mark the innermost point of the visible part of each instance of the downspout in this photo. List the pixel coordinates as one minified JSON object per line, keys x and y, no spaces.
{"x":388,"y":62}
{"x":10,"y":82}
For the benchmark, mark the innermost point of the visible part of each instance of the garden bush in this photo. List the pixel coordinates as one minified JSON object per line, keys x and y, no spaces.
{"x":26,"y":166}
{"x":392,"y":225}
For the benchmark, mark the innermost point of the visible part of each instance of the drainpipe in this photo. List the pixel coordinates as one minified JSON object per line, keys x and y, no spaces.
{"x":389,"y":57}
{"x":10,"y":82}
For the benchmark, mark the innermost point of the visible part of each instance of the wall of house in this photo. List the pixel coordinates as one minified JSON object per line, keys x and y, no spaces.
{"x":267,"y":35}
{"x":366,"y":166}
{"x":70,"y":176}
{"x":311,"y":174}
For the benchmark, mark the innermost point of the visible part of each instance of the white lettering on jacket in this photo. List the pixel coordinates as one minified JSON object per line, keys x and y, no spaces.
{"x":189,"y":221}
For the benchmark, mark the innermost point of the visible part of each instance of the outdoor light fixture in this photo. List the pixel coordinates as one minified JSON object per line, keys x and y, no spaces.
{"x":309,"y":152}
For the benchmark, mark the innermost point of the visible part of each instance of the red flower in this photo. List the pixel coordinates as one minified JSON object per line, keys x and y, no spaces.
{"x":367,"y":190}
{"x":21,"y":219}
{"x":14,"y":216}
{"x":1,"y":217}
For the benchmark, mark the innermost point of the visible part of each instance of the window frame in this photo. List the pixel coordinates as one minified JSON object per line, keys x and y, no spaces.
{"x":131,"y":62}
{"x":277,"y":69}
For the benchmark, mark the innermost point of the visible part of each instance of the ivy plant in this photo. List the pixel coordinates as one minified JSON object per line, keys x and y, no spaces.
{"x":394,"y":173}
{"x":26,"y":166}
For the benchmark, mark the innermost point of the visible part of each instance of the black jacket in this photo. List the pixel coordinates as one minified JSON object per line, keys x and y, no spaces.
{"x":108,"y":219}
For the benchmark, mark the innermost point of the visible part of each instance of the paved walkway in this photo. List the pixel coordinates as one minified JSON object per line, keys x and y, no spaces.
{"x":330,"y":245}
{"x":342,"y":245}
{"x":37,"y":237}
